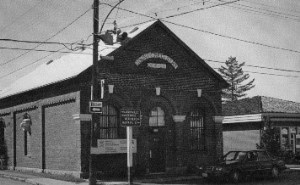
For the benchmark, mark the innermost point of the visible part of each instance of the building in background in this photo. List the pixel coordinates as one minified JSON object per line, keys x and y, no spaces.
{"x":47,"y":118}
{"x":245,"y":119}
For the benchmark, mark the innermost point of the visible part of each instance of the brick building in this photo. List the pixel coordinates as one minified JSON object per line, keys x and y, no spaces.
{"x":178,"y":95}
{"x":245,"y":120}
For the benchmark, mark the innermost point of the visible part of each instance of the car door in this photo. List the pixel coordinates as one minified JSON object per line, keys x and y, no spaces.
{"x":250,"y":164}
{"x":264,"y":160}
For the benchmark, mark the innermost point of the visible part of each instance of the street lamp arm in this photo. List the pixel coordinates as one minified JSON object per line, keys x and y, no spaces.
{"x":109,"y":14}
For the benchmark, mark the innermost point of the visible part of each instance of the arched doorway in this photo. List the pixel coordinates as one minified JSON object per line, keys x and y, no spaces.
{"x":157,"y":138}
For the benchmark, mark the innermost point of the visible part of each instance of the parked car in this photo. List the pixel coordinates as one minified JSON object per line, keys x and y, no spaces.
{"x":236,"y":165}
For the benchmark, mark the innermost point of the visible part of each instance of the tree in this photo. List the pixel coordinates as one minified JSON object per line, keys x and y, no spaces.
{"x":270,"y":141}
{"x":235,"y":76}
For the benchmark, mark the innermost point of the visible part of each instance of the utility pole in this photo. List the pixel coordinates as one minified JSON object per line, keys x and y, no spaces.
{"x":95,"y":90}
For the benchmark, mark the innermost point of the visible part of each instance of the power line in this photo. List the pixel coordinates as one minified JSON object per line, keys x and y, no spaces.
{"x":187,"y":12}
{"x":270,"y":6}
{"x":41,"y":50}
{"x":33,"y":21}
{"x":180,"y":7}
{"x":22,"y":15}
{"x":233,"y":38}
{"x":186,"y":27}
{"x":137,"y":13}
{"x":15,"y":58}
{"x":253,"y":9}
{"x":136,"y":24}
{"x":29,"y":64}
{"x":271,"y":11}
{"x":272,"y":74}
{"x":209,"y":32}
{"x":57,"y":52}
{"x":41,"y":42}
{"x":34,"y":42}
{"x":262,"y":67}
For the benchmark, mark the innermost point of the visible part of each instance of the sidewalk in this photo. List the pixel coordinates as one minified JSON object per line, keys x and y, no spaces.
{"x":38,"y":180}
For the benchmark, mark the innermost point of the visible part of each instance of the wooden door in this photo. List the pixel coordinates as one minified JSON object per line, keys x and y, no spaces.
{"x":157,"y":152}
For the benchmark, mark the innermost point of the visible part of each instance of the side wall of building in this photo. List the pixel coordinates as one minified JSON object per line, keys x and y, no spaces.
{"x":241,"y":140}
{"x":54,"y":144}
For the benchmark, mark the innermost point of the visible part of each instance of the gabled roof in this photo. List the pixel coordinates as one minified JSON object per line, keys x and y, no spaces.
{"x":66,"y":67}
{"x":71,"y":65}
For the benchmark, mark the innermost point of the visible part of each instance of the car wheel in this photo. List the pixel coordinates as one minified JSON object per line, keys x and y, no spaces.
{"x":236,"y":176}
{"x":275,"y":172}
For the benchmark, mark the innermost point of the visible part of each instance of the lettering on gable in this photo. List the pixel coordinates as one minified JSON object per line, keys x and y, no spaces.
{"x":149,"y":55}
{"x":157,"y":66}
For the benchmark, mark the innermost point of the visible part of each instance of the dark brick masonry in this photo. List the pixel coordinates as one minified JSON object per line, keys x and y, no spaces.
{"x":60,"y":135}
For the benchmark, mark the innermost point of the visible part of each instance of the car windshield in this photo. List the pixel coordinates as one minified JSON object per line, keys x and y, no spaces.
{"x":234,"y":156}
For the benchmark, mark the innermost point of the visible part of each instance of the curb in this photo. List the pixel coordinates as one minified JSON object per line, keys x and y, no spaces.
{"x":21,"y":179}
{"x":32,"y":182}
{"x":13,"y":177}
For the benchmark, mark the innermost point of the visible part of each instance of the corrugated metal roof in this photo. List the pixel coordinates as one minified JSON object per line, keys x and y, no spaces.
{"x":66,"y":67}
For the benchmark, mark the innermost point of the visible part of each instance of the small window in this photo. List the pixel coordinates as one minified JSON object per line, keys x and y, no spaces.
{"x":197,"y":130}
{"x":157,"y":117}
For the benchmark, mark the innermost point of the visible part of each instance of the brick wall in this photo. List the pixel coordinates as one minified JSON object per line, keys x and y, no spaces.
{"x":55,"y":140}
{"x":8,"y":136}
{"x":135,"y":86}
{"x":62,"y":137}
{"x":66,"y":143}
{"x":33,"y":157}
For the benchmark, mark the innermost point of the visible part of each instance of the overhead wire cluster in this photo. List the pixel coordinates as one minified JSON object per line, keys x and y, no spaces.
{"x":81,"y":44}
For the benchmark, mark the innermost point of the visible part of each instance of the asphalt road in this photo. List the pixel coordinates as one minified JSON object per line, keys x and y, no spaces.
{"x":288,"y":178}
{"x":6,"y":181}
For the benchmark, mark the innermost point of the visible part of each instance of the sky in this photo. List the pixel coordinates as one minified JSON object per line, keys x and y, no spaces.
{"x":262,"y":33}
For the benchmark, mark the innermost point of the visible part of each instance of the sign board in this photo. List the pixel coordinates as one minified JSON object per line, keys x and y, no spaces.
{"x":130,"y":117}
{"x":113,"y":146}
{"x":95,"y":107}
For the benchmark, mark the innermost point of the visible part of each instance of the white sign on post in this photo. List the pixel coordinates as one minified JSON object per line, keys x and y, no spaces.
{"x":113,"y":146}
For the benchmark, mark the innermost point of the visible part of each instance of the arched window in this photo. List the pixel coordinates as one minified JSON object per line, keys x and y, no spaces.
{"x":157,"y":117}
{"x":109,"y":124}
{"x":197,"y":130}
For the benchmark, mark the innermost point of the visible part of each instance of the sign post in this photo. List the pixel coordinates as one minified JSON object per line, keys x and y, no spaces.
{"x":129,"y":118}
{"x":129,"y":153}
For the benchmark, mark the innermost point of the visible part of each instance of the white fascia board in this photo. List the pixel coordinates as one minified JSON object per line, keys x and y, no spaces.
{"x":243,"y":118}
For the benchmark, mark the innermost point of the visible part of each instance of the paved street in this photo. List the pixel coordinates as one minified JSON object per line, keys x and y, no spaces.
{"x":288,"y":178}
{"x":6,"y":181}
